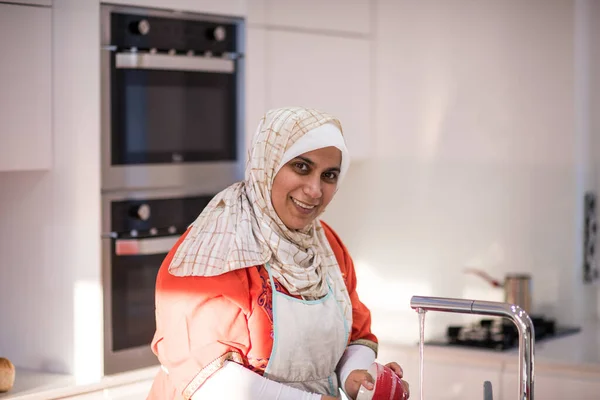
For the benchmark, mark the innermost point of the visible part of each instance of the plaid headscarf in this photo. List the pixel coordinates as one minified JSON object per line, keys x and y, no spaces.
{"x":239,"y":228}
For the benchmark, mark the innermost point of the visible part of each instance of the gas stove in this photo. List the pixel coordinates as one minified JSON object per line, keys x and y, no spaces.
{"x":500,"y":333}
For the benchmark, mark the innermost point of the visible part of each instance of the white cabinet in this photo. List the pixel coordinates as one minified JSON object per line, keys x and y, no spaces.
{"x":555,"y":386}
{"x":257,"y":12}
{"x":331,"y":73}
{"x":312,"y":53}
{"x":452,"y":380}
{"x":447,"y":376}
{"x":46,"y":3}
{"x":25,"y":79}
{"x":256,"y":80}
{"x":349,"y":16}
{"x":235,"y":8}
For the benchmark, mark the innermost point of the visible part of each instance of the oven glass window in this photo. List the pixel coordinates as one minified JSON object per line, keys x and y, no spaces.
{"x":133,"y":285}
{"x":133,"y":277}
{"x":163,"y":116}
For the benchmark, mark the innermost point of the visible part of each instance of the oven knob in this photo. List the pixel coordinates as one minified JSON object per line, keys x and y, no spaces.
{"x":218,"y":34}
{"x":142,"y":212}
{"x":141,"y":27}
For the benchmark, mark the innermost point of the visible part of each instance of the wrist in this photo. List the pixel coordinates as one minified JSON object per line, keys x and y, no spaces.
{"x":356,"y":357}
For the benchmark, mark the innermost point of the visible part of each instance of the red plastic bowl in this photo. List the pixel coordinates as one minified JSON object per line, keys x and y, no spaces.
{"x":388,"y":385}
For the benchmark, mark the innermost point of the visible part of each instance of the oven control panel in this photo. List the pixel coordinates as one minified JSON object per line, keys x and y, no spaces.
{"x":163,"y":34}
{"x":155,"y":217}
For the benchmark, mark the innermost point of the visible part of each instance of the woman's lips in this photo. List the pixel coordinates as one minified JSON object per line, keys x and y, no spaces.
{"x":303,"y":207}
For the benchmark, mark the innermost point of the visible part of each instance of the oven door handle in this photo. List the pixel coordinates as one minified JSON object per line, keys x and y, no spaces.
{"x":174,"y":62}
{"x":144,"y":246}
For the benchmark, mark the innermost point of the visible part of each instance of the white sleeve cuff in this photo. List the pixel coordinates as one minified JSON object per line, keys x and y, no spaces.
{"x":356,"y":356}
{"x":234,"y":382}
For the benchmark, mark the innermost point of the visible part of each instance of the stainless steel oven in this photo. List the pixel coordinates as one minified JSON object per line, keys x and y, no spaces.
{"x":172,"y":137}
{"x":172,"y":110}
{"x":141,"y":229}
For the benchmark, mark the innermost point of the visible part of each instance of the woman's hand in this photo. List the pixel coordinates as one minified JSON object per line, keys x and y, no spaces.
{"x":360,"y":377}
{"x":398,"y":371}
{"x":328,"y":398}
{"x":354,"y":381}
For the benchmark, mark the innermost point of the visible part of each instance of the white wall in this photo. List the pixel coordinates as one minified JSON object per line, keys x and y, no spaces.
{"x":593,"y":8}
{"x":478,"y":145}
{"x":587,"y":17}
{"x":50,"y":221}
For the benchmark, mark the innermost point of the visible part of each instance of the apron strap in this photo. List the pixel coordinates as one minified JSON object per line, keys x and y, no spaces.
{"x":271,"y":280}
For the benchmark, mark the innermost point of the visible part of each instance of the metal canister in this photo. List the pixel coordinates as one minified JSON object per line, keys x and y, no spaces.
{"x":517,"y":290}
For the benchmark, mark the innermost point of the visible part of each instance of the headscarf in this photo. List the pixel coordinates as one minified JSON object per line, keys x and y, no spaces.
{"x":323,"y":136}
{"x":239,"y":228}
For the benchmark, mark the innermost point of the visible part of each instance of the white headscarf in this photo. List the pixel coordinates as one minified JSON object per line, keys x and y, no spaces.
{"x":323,"y":136}
{"x":239,"y":228}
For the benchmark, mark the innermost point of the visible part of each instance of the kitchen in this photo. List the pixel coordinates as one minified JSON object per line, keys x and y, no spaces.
{"x":471,"y":128}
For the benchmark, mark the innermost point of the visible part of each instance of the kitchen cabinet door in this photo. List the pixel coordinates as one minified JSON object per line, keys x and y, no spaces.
{"x":325,"y":72}
{"x":555,"y":386}
{"x":350,"y":16}
{"x":46,"y":3}
{"x":256,"y":81}
{"x":235,"y":8}
{"x":452,"y":380}
{"x":447,"y":375}
{"x":25,"y":79}
{"x":257,"y":12}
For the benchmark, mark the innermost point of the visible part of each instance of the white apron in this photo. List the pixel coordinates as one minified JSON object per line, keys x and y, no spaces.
{"x":310,"y":337}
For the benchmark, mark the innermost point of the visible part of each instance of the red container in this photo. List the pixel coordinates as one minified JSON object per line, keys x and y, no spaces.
{"x":388,"y":385}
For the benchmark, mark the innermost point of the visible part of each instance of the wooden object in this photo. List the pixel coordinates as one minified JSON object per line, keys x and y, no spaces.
{"x":7,"y":375}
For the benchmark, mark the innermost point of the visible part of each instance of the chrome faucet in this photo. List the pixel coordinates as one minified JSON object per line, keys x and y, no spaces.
{"x":512,"y":311}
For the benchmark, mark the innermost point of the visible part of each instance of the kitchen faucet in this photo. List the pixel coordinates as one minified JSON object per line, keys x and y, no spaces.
{"x":511,"y":311}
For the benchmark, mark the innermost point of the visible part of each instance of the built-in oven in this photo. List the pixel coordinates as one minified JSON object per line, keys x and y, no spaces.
{"x":172,"y":109}
{"x":139,"y":233}
{"x":172,"y":137}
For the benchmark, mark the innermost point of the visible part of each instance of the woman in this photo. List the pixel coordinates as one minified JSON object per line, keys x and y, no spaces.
{"x":257,"y":299}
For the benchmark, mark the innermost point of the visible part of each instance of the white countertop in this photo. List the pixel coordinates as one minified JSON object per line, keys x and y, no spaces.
{"x":575,"y":354}
{"x":32,"y":385}
{"x":579,"y":349}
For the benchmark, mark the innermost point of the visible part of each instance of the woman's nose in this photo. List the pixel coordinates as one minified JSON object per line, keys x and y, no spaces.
{"x":312,"y":188}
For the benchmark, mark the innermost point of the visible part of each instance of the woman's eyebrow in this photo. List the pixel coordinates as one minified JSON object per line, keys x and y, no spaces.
{"x":312,"y":163}
{"x":307,"y":160}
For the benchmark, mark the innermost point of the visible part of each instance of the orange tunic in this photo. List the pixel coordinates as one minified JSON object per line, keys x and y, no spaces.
{"x":204,"y":321}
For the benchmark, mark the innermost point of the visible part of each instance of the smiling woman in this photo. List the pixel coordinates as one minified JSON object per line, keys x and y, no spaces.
{"x":259,"y":292}
{"x":304,"y":186}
